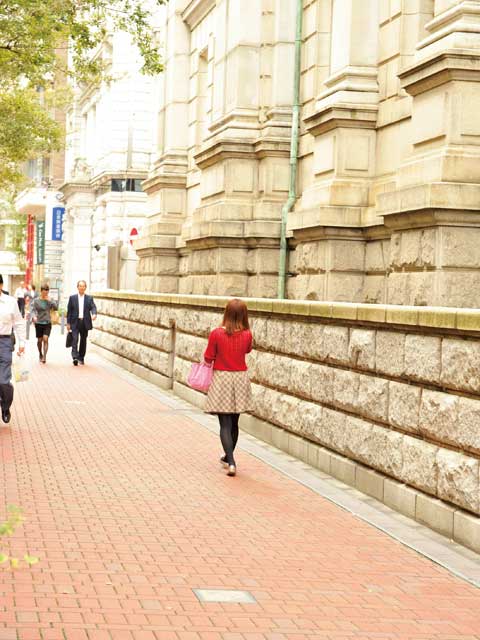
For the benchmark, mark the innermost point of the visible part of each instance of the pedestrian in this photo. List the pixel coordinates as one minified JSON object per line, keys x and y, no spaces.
{"x":20,"y":292}
{"x":230,"y":393}
{"x":81,"y":310}
{"x":10,"y":318}
{"x":40,"y":314}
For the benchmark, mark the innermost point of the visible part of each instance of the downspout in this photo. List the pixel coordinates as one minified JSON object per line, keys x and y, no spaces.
{"x":292,"y":192}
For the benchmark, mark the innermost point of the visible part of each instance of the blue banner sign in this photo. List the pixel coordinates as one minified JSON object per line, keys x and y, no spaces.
{"x":57,"y":223}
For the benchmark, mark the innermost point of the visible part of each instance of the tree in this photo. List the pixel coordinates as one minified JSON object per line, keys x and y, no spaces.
{"x":33,"y":36}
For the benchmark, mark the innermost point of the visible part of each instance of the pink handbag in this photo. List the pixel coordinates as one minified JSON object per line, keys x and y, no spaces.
{"x":200,"y":376}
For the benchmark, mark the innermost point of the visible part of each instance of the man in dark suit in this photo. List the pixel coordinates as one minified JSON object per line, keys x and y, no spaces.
{"x":81,"y":311}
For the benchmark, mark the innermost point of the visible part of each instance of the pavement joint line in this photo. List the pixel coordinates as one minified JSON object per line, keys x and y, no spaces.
{"x":458,"y":560}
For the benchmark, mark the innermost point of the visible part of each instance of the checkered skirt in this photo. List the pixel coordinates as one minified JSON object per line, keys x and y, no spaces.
{"x":229,"y":392}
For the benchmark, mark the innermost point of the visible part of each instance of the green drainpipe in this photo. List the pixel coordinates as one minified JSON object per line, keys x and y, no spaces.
{"x":292,"y":192}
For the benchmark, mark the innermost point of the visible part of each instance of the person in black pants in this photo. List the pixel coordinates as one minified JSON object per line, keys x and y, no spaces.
{"x":230,"y":393}
{"x":81,"y":310}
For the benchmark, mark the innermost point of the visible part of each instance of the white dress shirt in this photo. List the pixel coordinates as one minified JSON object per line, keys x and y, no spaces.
{"x":81,"y":300}
{"x":19,"y":292}
{"x":11,"y":317}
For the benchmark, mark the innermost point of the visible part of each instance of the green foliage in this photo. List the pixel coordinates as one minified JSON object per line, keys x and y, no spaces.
{"x":33,"y":52}
{"x":15,"y":518}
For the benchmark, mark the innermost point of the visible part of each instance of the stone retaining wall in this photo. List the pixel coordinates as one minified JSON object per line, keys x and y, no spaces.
{"x":387,"y":398}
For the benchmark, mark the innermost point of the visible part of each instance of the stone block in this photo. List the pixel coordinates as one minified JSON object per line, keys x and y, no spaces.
{"x":345,"y":287}
{"x":361,"y":349}
{"x":460,"y":247}
{"x":373,"y":397}
{"x":300,"y":378}
{"x":274,"y":370}
{"x":280,"y":438}
{"x":458,"y":289}
{"x":461,"y":364}
{"x":390,"y":353}
{"x":369,"y":482}
{"x":332,"y":431}
{"x":297,"y":447}
{"x":275,"y":334}
{"x":376,"y":256}
{"x":315,"y":336}
{"x":324,"y":458}
{"x":312,"y":454}
{"x":347,"y":255}
{"x":321,"y":383}
{"x":399,"y":497}
{"x":345,"y":389}
{"x":467,"y":432}
{"x":458,"y":479}
{"x":374,"y":289}
{"x":298,"y":339}
{"x":438,"y":415}
{"x":342,"y":469}
{"x":358,"y":439}
{"x":387,"y":451}
{"x":335,"y":344}
{"x":466,"y":530}
{"x":309,"y":419}
{"x":285,"y":411}
{"x":404,"y":406}
{"x":420,"y":468}
{"x":423,"y":357}
{"x":413,"y":248}
{"x":435,"y":514}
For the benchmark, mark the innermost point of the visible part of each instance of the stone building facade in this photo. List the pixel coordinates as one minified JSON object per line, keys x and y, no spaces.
{"x":110,"y":128}
{"x":387,"y":196}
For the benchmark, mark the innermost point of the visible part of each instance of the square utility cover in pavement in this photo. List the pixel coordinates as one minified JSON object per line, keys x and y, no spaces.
{"x":224,"y":595}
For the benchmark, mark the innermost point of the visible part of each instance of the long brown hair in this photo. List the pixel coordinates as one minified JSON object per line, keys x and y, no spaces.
{"x":235,"y":317}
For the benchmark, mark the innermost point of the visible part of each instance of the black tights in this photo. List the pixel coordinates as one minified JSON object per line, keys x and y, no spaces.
{"x":42,"y":342}
{"x":229,"y":434}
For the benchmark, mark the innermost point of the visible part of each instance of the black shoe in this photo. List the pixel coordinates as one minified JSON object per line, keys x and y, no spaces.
{"x":6,"y":415}
{"x":81,"y":362}
{"x":223,"y":461}
{"x":75,"y":363}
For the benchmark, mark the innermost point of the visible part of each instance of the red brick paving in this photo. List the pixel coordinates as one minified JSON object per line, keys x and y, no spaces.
{"x":129,"y":510}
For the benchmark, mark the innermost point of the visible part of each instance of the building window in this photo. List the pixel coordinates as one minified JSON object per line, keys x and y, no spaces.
{"x":130,"y":184}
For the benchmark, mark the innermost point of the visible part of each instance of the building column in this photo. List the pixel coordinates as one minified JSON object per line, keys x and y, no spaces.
{"x":329,"y":259}
{"x":434,"y":213}
{"x":166,"y":185}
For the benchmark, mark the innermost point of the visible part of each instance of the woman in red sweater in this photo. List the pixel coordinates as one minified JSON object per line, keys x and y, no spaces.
{"x":230,"y":394}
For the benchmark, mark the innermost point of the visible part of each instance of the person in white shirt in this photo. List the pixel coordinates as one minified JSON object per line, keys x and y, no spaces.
{"x":10,"y":318}
{"x":81,"y":310}
{"x":20,"y":296}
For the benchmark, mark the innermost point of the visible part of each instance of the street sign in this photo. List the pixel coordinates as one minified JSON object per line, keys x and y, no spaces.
{"x":133,"y":235}
{"x":57,"y":222}
{"x":40,"y":224}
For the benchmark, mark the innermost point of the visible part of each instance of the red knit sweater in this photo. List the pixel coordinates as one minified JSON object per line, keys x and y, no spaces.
{"x":228,"y":352}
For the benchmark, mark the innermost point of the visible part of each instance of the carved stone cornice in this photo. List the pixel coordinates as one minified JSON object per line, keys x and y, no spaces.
{"x":195,"y":11}
{"x":73,"y":187}
{"x":440,"y":68}
{"x":357,"y":116}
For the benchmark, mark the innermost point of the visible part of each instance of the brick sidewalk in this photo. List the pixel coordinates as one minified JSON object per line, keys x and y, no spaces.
{"x":129,"y":510}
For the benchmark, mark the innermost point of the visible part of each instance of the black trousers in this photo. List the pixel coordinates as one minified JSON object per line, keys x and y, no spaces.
{"x":79,"y":331}
{"x":21,"y":306}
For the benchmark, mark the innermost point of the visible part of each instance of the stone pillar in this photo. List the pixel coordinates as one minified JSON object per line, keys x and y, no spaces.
{"x":231,"y":246}
{"x":434,"y":214}
{"x":166,"y":185}
{"x":79,"y":207}
{"x":332,"y":209}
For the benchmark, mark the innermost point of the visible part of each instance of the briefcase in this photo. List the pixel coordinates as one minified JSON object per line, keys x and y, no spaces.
{"x":69,"y":340}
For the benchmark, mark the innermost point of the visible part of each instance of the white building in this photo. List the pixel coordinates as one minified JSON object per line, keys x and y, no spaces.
{"x":110,"y":135}
{"x":386,"y":205}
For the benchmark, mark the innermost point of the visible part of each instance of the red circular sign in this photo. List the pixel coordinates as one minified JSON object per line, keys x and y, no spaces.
{"x":133,"y":233}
